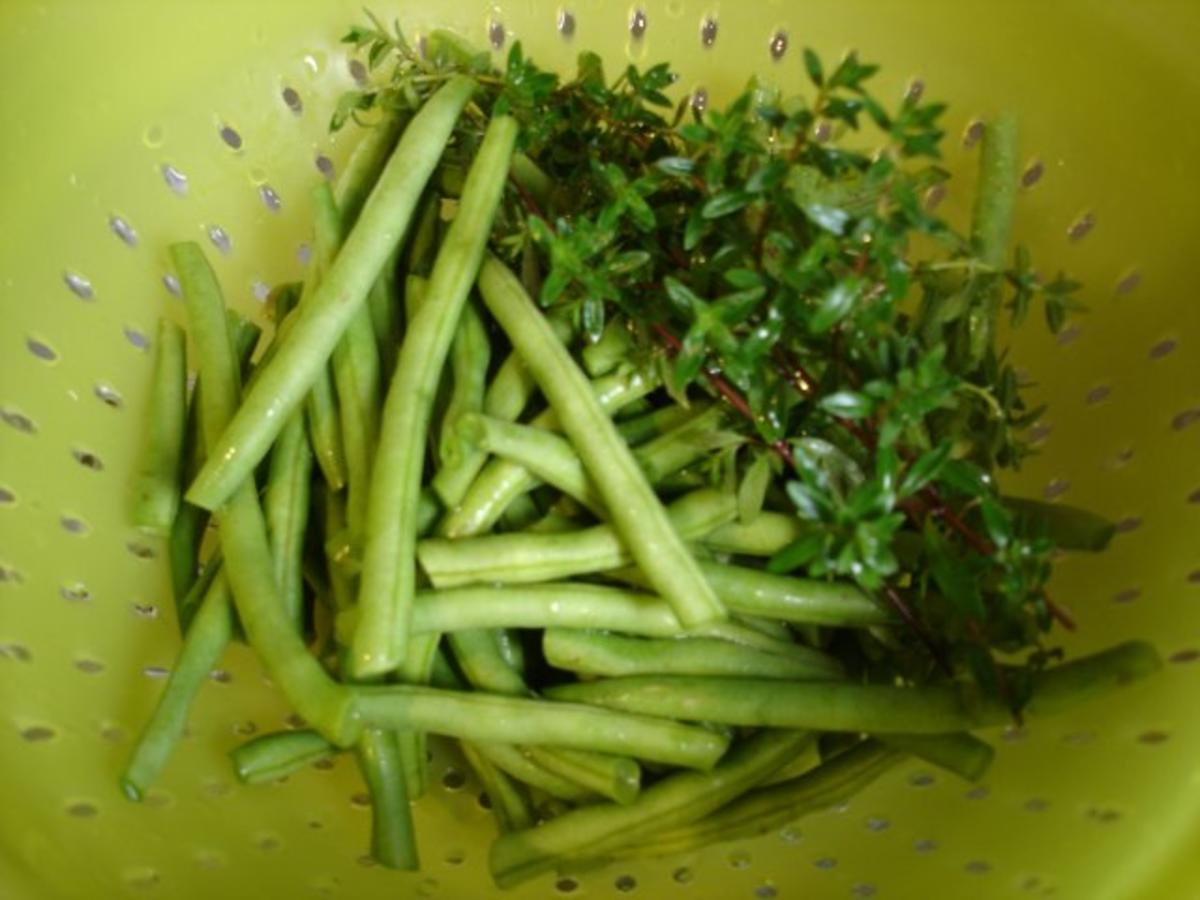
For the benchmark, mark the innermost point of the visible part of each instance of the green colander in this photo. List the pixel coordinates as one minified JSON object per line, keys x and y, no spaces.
{"x":129,"y":124}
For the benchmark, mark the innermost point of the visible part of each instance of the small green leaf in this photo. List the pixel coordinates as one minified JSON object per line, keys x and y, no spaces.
{"x":807,"y":504}
{"x":724,"y":203}
{"x":687,"y":367}
{"x":675,"y":165}
{"x":847,"y":405}
{"x":629,"y":261}
{"x":592,"y":318}
{"x":966,"y":478}
{"x":798,"y":553}
{"x":957,"y":583}
{"x":830,"y":218}
{"x":743,"y":279}
{"x":812,"y":65}
{"x":753,"y":489}
{"x":925,"y":469}
{"x":834,"y":306}
{"x":682,"y":298}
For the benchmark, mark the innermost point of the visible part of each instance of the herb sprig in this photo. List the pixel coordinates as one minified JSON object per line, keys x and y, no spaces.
{"x":778,"y":253}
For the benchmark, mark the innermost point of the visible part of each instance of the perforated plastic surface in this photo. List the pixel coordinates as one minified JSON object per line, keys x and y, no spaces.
{"x":132,"y":123}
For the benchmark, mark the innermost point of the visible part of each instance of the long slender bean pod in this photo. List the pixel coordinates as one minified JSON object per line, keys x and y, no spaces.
{"x":511,"y":760}
{"x":523,"y":557}
{"x":801,"y":600}
{"x":501,"y":482}
{"x":321,"y":320}
{"x":963,"y":754}
{"x":595,"y":653}
{"x":636,"y":513}
{"x":389,"y":570}
{"x":393,"y":842}
{"x":516,"y":720}
{"x":676,"y":800}
{"x":765,"y":809}
{"x":204,"y":644}
{"x":508,"y":802}
{"x":839,"y":706}
{"x":157,"y":487}
{"x":243,"y":531}
{"x":272,"y":756}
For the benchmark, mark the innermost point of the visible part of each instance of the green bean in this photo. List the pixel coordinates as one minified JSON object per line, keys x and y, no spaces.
{"x":470,"y":356}
{"x":509,"y":804}
{"x":243,"y":532}
{"x":205,"y":643}
{"x":384,"y":303}
{"x":157,"y":482}
{"x":1069,"y":527}
{"x":614,"y":347}
{"x":683,"y":444}
{"x":424,"y":239}
{"x":356,"y":375}
{"x":209,"y":632}
{"x":1083,"y":680}
{"x":649,"y":425}
{"x":550,"y":458}
{"x":541,"y":557}
{"x":770,"y":807}
{"x":564,"y":605}
{"x":823,"y":706}
{"x":991,"y":231}
{"x":393,"y":843}
{"x":487,"y":718}
{"x":800,"y":600}
{"x":617,"y":778}
{"x":637,"y":515}
{"x":675,"y":800}
{"x":442,"y":673}
{"x":269,"y":757}
{"x":187,"y":530}
{"x":362,"y":169}
{"x":963,"y":753}
{"x":526,"y":173}
{"x":505,"y":399}
{"x":767,"y":534}
{"x":592,"y":653}
{"x":479,"y":659}
{"x":337,"y":548}
{"x":512,"y":651}
{"x":417,"y":668}
{"x":500,"y":482}
{"x":515,"y":763}
{"x":389,"y":570}
{"x":415,"y":287}
{"x":769,"y":627}
{"x":879,"y":708}
{"x":546,"y":455}
{"x":996,"y":196}
{"x":193,"y":599}
{"x":286,"y":504}
{"x":321,"y":407}
{"x":321,"y":321}
{"x":322,"y":417}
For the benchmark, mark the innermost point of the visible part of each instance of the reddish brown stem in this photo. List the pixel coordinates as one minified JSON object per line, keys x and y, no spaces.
{"x":727,"y":391}
{"x":527,"y":200}
{"x":910,"y":619}
{"x":1064,"y":618}
{"x":1002,"y":684}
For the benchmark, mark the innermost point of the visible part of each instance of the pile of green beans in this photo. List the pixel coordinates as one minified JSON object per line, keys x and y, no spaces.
{"x":440,"y":514}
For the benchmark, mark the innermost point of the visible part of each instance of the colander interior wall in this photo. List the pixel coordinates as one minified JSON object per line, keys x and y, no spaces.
{"x":129,"y":124}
